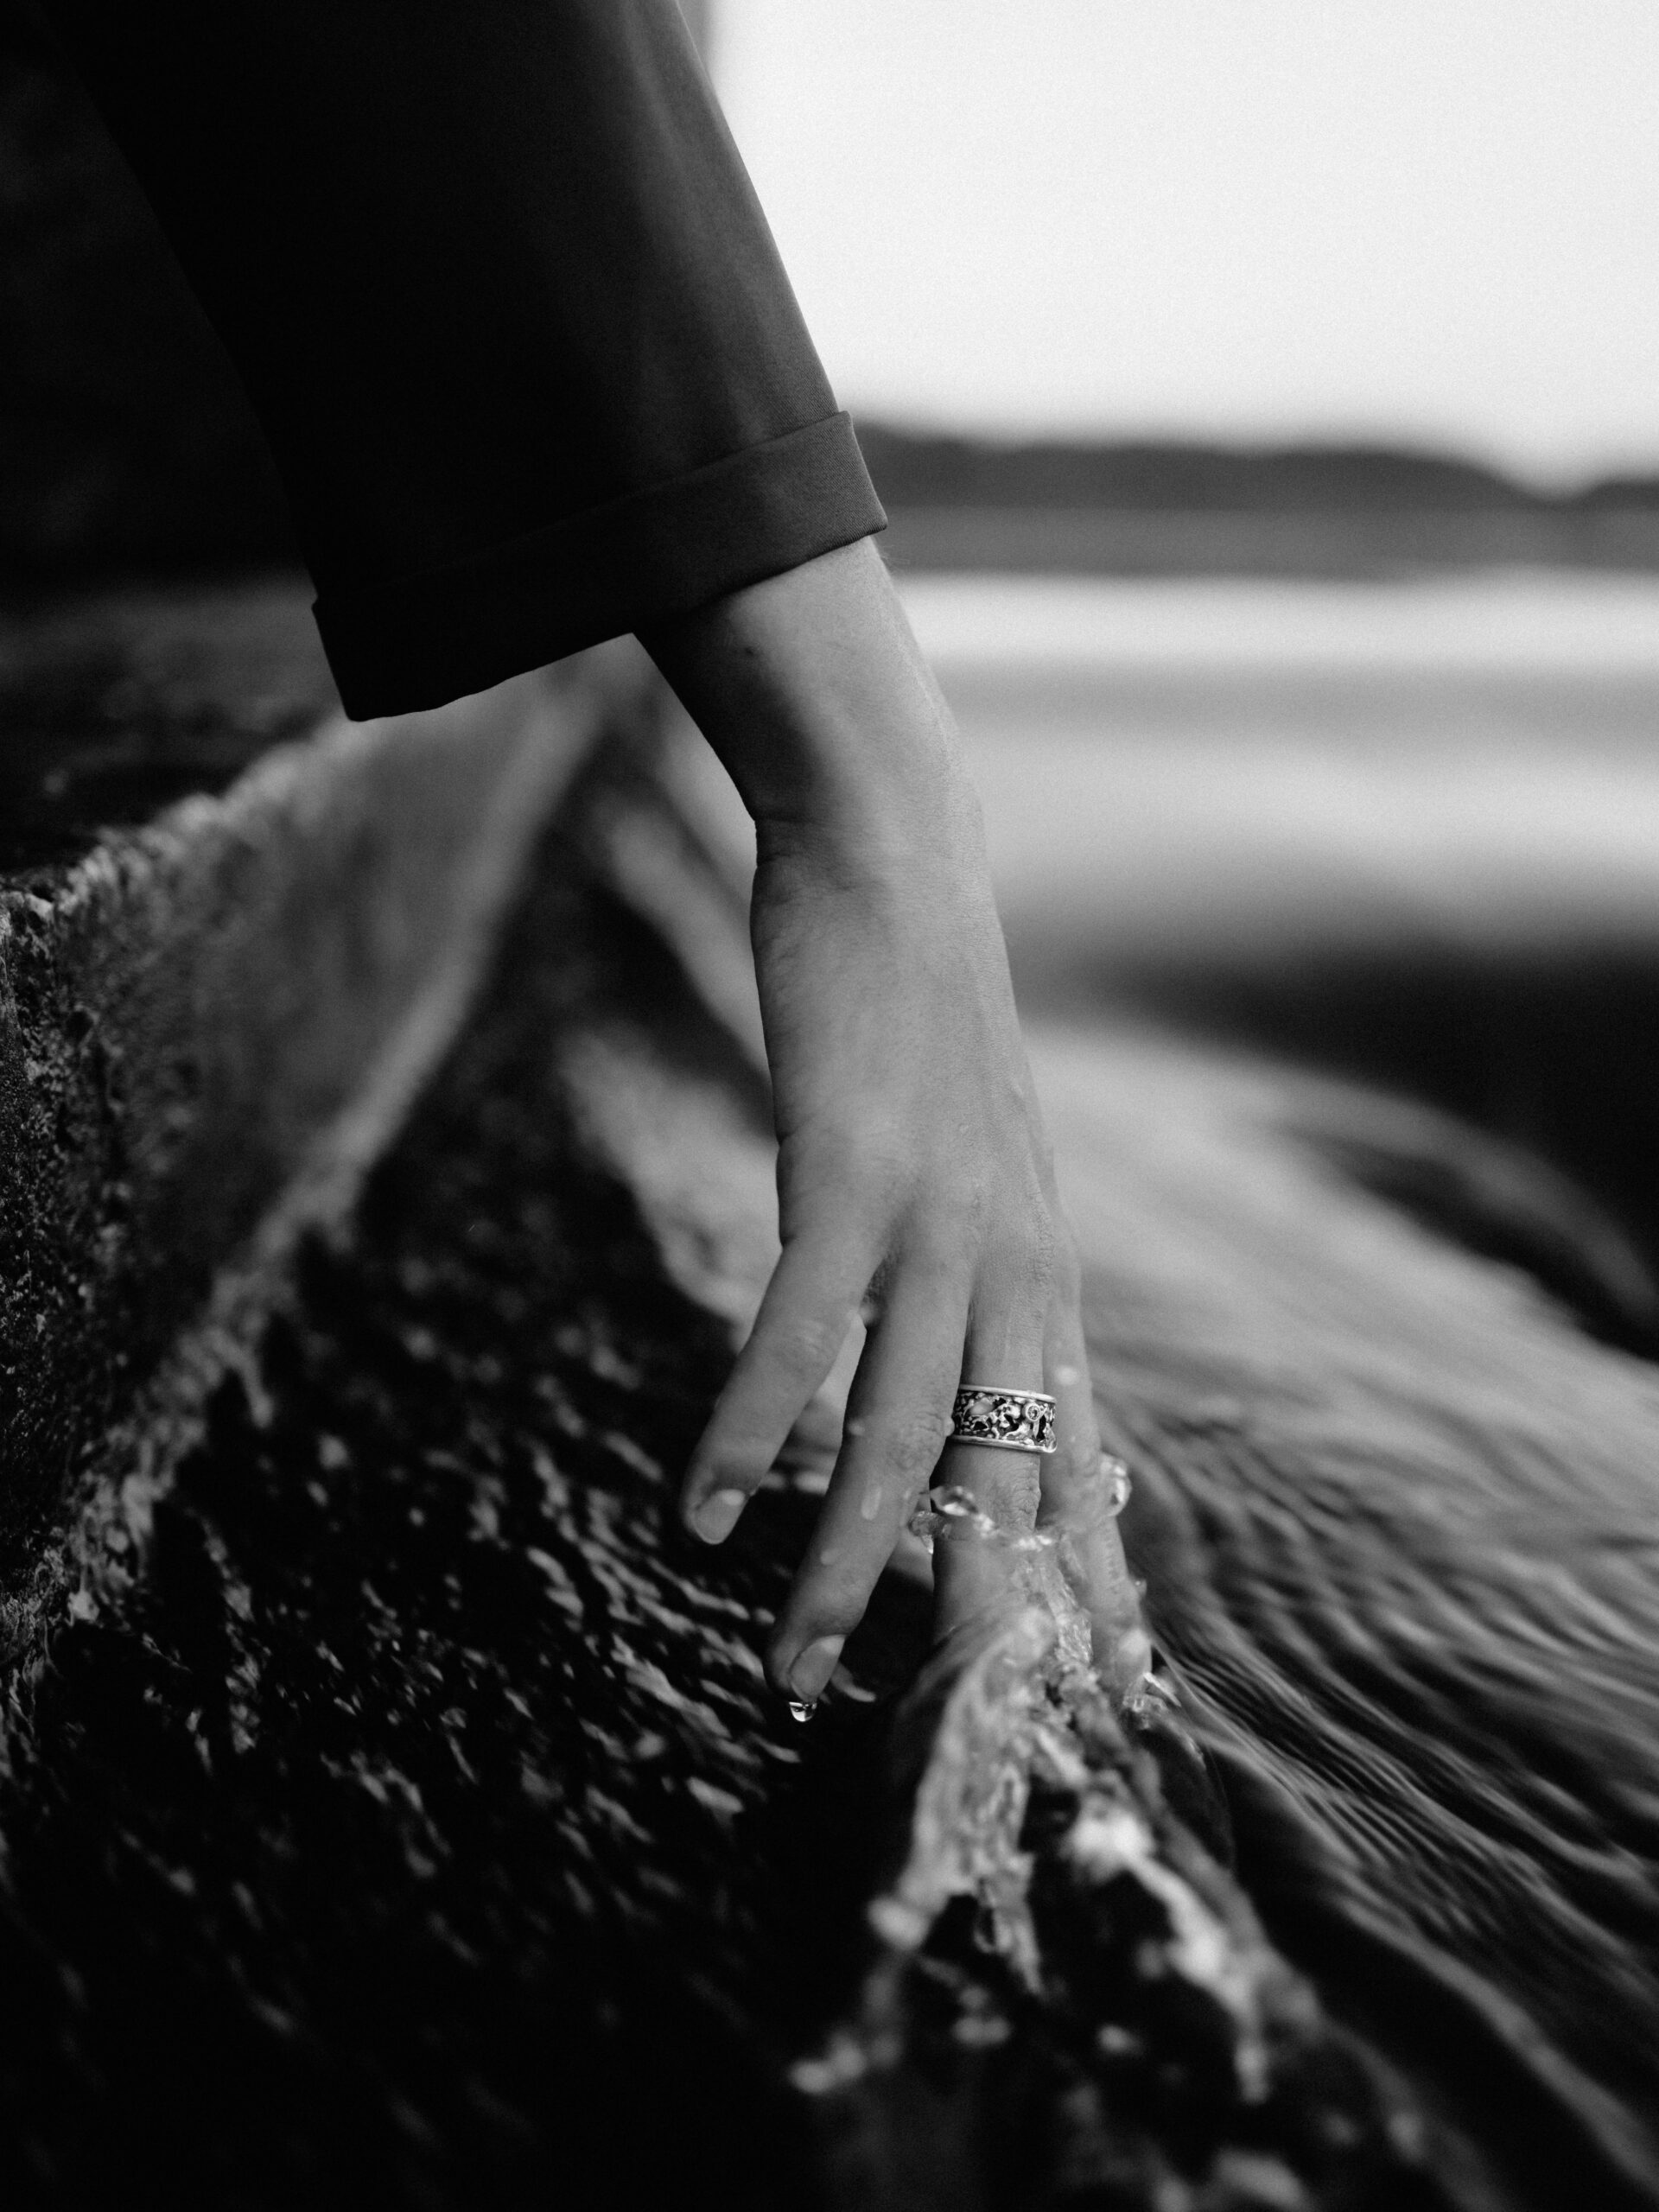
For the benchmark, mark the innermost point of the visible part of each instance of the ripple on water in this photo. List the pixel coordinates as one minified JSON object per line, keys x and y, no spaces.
{"x":1409,"y":1598}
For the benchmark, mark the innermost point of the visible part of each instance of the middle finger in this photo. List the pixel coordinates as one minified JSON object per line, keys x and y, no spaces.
{"x":897,"y":1418}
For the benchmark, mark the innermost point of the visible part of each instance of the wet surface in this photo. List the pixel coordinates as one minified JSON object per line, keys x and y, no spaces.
{"x":115,"y":704}
{"x":410,"y":1823}
{"x":1555,"y":1049}
{"x":1395,"y":1508}
{"x":414,"y":1815}
{"x":1396,"y":1513}
{"x":386,"y":1837}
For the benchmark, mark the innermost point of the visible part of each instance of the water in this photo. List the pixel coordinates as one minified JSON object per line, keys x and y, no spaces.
{"x":1175,"y":764}
{"x":422,"y":1798}
{"x":412,"y":1794}
{"x":1397,"y":1508}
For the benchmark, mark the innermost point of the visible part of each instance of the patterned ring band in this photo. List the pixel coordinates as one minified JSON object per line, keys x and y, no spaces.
{"x":1013,"y":1420}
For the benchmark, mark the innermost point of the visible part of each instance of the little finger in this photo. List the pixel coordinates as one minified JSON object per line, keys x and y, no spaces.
{"x":1083,"y":1491}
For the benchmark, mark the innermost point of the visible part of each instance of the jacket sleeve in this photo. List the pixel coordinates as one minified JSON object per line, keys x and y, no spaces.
{"x":507,"y":307}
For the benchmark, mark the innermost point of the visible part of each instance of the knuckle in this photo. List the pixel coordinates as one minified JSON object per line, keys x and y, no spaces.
{"x":970,"y":1204}
{"x":947,"y":1224}
{"x":935,"y":1267}
{"x":860,"y":1161}
{"x":1024,"y":1253}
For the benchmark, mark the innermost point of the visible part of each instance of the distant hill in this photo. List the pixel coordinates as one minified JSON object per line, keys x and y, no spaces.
{"x":917,"y":468}
{"x":1144,"y":507}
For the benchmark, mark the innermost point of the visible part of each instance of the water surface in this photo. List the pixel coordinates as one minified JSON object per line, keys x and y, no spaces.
{"x":1398,"y":1507}
{"x":1163,"y":762}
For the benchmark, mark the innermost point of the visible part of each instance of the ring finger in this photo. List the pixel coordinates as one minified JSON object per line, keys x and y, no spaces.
{"x":973,"y":1573}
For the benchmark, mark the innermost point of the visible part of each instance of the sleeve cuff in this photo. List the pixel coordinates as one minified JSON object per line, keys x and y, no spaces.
{"x":399,"y":647}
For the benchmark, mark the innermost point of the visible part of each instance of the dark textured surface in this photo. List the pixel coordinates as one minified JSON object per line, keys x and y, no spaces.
{"x":328,"y":1842}
{"x":408,"y":1823}
{"x":223,"y":1006}
{"x":113,"y":705}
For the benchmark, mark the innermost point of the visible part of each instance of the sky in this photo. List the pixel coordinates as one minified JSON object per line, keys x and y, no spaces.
{"x":1428,"y":221}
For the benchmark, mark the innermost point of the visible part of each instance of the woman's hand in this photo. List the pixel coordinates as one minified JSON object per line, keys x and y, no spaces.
{"x":914,"y":1180}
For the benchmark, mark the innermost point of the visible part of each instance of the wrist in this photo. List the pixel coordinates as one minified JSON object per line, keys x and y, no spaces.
{"x":811,"y":690}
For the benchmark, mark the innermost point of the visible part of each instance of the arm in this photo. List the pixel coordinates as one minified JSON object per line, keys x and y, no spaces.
{"x":533,"y":374}
{"x":506,"y":305}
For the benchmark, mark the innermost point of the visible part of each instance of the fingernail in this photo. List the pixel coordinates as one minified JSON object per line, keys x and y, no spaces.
{"x":814,"y":1668}
{"x":716,"y":1517}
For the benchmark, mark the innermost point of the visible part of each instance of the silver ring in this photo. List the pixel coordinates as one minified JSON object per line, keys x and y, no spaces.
{"x":1010,"y":1420}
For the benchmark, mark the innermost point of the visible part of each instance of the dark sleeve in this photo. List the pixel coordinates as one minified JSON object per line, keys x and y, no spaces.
{"x":507,"y":304}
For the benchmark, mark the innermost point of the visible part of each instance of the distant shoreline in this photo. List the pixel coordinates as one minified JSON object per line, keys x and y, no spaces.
{"x":1148,"y":509}
{"x":1355,"y":543}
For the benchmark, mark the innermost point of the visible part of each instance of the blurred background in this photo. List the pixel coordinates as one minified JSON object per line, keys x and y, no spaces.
{"x":1266,"y":401}
{"x":1428,"y":229}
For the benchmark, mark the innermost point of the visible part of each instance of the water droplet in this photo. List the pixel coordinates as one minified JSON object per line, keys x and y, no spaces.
{"x":802,"y":1708}
{"x":1066,"y":1376}
{"x":872,"y":1504}
{"x":952,"y":1513}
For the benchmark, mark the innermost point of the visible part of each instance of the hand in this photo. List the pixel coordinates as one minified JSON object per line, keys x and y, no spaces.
{"x":914,"y":1180}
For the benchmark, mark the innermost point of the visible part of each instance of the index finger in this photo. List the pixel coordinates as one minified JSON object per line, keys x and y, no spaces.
{"x":809,"y":1304}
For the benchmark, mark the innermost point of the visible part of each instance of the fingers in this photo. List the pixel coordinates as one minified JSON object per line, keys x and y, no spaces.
{"x":1069,"y":1472}
{"x":1078,"y":1503}
{"x":897,"y":1418}
{"x":809,"y":1304}
{"x":1023,"y":1331}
